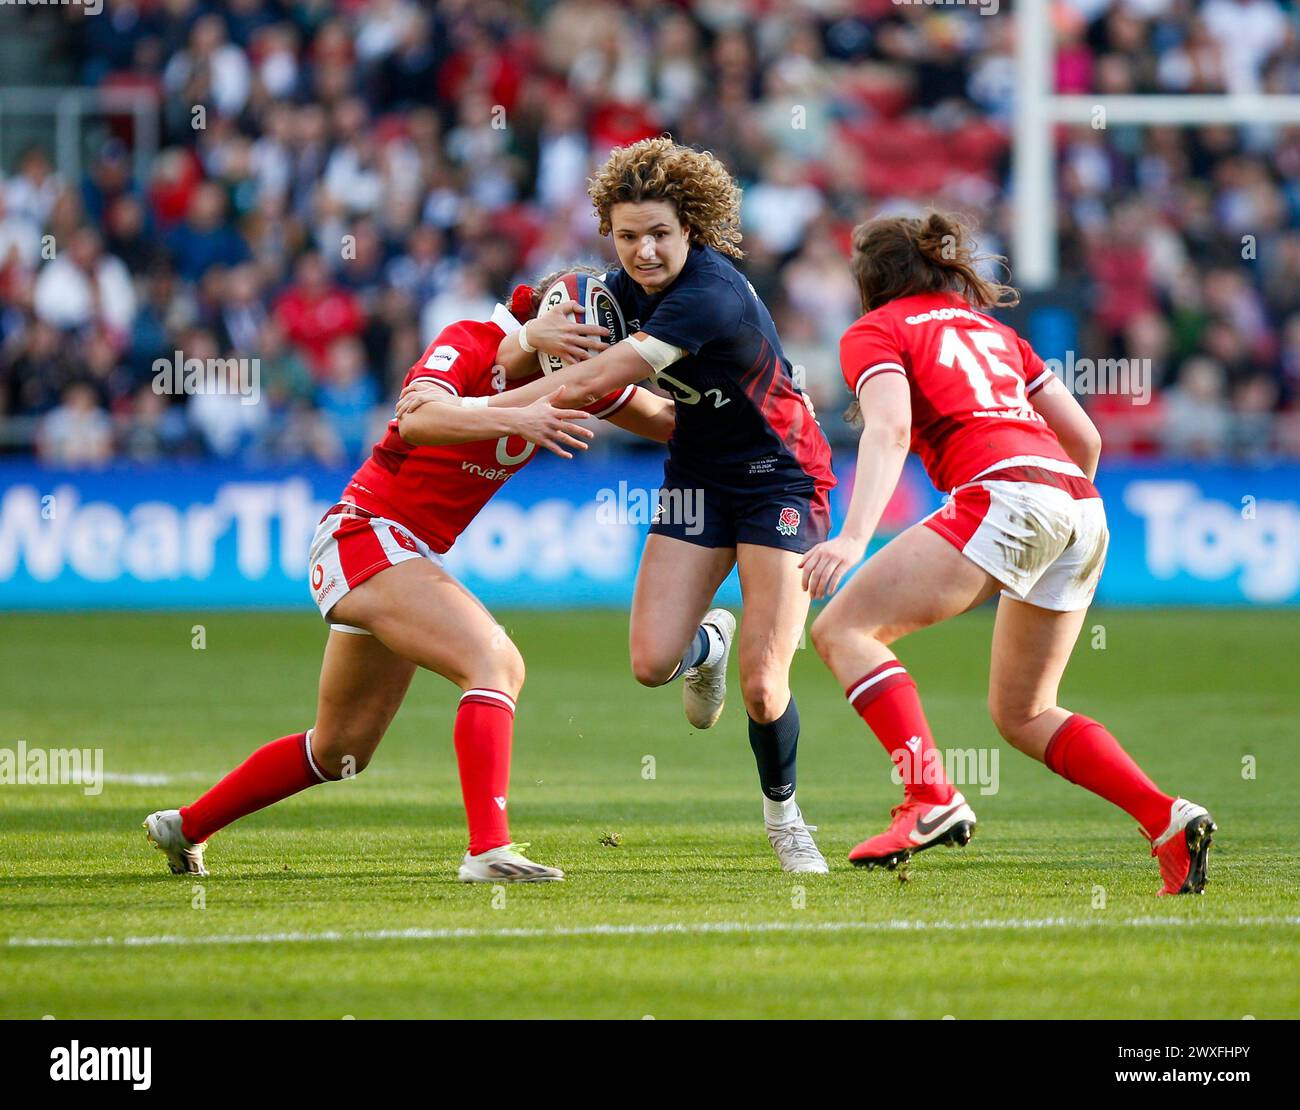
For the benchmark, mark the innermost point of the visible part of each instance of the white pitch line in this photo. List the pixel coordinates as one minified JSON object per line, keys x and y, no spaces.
{"x":665,"y":929}
{"x":142,"y":779}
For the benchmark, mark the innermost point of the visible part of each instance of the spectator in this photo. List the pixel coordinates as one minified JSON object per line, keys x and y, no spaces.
{"x":1196,"y":414}
{"x":154,"y":429}
{"x":83,"y":285}
{"x":210,"y":70}
{"x":206,"y":239}
{"x":41,"y":368}
{"x":1248,"y":33}
{"x":348,"y":397}
{"x":77,"y":432}
{"x":314,"y":312}
{"x":20,"y":241}
{"x":228,"y":418}
{"x":423,"y":270}
{"x":286,"y":378}
{"x":243,"y":315}
{"x":1254,"y":404}
{"x":35,"y":189}
{"x":780,"y":207}
{"x":467,"y":298}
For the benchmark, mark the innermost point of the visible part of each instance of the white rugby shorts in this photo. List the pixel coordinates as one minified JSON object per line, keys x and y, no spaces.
{"x":352,"y":545}
{"x":1037,"y":525}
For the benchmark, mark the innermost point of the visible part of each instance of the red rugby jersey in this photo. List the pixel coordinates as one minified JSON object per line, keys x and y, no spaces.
{"x":970,"y":378}
{"x":437,"y":491}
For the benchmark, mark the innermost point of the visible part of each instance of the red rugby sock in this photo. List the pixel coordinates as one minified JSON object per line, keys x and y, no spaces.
{"x":484,"y":732}
{"x":887,"y":700}
{"x":273,"y":772}
{"x":1083,"y":752}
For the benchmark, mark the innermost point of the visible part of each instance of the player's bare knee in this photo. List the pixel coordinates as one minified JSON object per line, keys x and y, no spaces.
{"x":1011,"y":720}
{"x":501,"y":668}
{"x":835,"y":639}
{"x":513,"y":669}
{"x":342,"y":755}
{"x":824,"y":634}
{"x":765,"y":696}
{"x":651,"y":670}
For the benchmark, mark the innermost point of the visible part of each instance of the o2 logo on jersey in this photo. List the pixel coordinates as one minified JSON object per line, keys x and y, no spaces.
{"x":683,"y":394}
{"x":788,"y":522}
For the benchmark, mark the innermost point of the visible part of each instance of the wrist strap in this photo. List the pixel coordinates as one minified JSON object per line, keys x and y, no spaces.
{"x":473,"y":402}
{"x":523,"y":340}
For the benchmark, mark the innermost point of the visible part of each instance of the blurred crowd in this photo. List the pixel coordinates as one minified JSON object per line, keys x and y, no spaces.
{"x":339,"y":180}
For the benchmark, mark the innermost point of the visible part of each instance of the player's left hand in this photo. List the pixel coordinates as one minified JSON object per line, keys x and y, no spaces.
{"x":827,"y":563}
{"x":557,"y":332}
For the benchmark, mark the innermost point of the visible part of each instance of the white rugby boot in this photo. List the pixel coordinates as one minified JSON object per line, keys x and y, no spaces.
{"x":704,"y":688}
{"x":506,"y":865}
{"x":163,"y":829}
{"x":795,"y":848}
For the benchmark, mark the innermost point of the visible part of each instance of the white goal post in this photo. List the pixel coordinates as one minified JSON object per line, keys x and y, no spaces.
{"x":1039,"y":110}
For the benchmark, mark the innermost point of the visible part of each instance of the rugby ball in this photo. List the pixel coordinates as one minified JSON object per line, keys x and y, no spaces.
{"x":601,"y":308}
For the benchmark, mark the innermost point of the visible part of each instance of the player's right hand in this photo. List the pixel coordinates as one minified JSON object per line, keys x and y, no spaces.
{"x":825,"y":565}
{"x":558,"y":332}
{"x":553,"y":428}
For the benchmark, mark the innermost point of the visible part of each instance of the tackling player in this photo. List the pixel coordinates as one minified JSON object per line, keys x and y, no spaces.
{"x":993,"y":425}
{"x":377,"y":577}
{"x":746,"y":448}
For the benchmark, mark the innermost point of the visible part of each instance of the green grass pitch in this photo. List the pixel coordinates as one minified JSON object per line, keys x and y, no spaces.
{"x":1050,"y":912}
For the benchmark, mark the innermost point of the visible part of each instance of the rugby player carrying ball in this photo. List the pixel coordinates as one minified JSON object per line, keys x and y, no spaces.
{"x":746,"y":448}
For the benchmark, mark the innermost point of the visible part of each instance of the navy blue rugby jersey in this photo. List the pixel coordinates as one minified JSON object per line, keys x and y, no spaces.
{"x":740,"y":419}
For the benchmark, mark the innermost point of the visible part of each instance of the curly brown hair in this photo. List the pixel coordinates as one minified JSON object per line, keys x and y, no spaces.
{"x":698,"y":186}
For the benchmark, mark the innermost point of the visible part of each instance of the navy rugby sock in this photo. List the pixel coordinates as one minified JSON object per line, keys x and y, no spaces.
{"x":702,"y":645}
{"x":775,"y":746}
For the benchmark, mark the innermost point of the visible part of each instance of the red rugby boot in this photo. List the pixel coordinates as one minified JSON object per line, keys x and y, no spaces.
{"x":916,"y":826}
{"x":1183,"y":849}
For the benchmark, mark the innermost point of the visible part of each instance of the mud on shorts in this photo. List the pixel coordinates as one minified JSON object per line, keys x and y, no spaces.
{"x":1036,"y":525}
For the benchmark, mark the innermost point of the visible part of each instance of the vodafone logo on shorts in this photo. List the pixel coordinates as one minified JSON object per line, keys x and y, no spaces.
{"x":317,"y":576}
{"x":788,"y":523}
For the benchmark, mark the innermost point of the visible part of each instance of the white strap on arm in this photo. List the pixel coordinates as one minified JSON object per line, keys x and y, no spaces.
{"x":656,"y":352}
